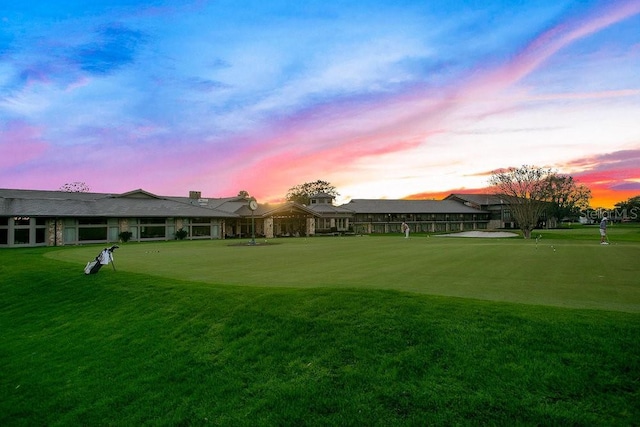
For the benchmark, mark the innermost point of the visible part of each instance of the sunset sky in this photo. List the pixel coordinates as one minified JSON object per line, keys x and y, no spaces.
{"x":383,"y":99}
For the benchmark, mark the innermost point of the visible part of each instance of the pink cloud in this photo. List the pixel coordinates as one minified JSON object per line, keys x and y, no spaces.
{"x":110,"y":160}
{"x":487,"y":85}
{"x":587,"y":95}
{"x":325,"y":144}
{"x":309,"y":166}
{"x":19,"y":144}
{"x":558,"y":37}
{"x":622,"y":164}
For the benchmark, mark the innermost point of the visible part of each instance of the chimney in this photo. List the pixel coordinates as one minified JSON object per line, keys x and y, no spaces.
{"x":195,"y":195}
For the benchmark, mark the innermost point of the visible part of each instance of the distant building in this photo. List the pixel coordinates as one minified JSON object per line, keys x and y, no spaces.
{"x":499,"y":211}
{"x":501,"y":215}
{"x":330,"y":219}
{"x":428,"y":216}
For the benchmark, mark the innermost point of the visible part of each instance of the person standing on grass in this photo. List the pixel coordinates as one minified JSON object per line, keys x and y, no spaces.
{"x":405,"y":230}
{"x":603,"y":230}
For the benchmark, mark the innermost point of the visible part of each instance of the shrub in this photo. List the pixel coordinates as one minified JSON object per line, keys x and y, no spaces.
{"x":125,"y":236}
{"x":181,"y":234}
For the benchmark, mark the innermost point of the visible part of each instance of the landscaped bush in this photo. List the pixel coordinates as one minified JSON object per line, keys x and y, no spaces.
{"x":181,"y":234}
{"x":125,"y":236}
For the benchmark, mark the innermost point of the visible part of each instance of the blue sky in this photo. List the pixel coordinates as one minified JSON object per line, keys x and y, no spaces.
{"x":384,"y":99}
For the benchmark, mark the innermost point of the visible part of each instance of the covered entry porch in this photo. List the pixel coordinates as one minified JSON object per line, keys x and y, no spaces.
{"x":288,"y":220}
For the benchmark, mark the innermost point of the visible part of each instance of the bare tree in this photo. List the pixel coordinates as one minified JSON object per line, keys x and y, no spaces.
{"x":75,"y":187}
{"x":526,"y":190}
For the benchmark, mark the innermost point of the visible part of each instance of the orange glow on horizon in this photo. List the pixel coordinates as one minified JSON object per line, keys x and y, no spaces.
{"x":606,"y":198}
{"x":601,"y":197}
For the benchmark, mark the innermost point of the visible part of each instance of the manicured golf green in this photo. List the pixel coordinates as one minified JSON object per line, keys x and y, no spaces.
{"x":566,"y":268}
{"x":348,"y":331}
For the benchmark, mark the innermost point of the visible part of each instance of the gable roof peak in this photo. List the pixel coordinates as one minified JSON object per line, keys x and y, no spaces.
{"x":138,"y":194}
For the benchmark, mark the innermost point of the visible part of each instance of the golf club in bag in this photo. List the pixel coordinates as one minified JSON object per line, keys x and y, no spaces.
{"x":104,"y":257}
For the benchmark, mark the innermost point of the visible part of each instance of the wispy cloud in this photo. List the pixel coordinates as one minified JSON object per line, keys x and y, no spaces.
{"x":19,"y":144}
{"x":417,"y":115}
{"x":383,"y":99}
{"x":115,"y":46}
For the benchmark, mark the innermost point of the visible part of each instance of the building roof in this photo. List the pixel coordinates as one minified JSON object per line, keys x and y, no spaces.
{"x":229,"y":205}
{"x":329,"y":209}
{"x":48,"y":194}
{"x":137,"y":203}
{"x":386,"y":206}
{"x":284,"y":208}
{"x":322,"y":195}
{"x":140,"y":203}
{"x":477,"y":199}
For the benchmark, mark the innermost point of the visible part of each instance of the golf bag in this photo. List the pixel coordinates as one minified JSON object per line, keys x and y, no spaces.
{"x":104,"y":257}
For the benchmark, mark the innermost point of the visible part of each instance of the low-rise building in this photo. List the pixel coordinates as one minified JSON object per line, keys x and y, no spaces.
{"x":427,"y":216}
{"x":57,"y":218}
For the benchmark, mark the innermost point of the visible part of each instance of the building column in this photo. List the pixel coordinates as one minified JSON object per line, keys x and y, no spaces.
{"x":311,"y":226}
{"x":268,"y":228}
{"x":55,"y":229}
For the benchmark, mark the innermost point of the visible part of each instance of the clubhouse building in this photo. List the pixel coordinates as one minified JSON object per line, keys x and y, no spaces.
{"x":58,"y":218}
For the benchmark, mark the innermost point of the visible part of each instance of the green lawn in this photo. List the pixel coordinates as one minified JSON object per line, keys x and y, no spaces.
{"x":375,"y":330}
{"x":566,"y":268}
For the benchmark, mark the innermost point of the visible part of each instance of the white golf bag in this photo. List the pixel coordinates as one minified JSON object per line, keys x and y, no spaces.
{"x":104,"y":258}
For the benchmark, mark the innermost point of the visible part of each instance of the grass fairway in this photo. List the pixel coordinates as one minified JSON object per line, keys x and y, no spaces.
{"x":326,"y":331}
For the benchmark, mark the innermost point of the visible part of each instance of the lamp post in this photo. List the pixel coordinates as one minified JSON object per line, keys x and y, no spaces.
{"x":253,"y":205}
